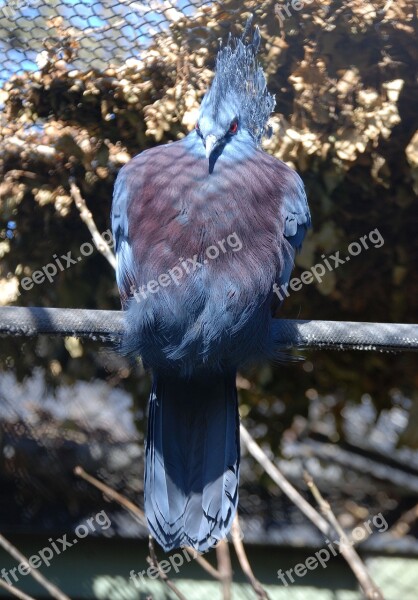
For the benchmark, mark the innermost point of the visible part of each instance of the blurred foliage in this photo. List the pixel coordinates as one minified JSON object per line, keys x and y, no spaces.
{"x":344,"y":74}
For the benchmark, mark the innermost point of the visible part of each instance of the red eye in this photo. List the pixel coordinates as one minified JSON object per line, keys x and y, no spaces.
{"x":234,"y":127}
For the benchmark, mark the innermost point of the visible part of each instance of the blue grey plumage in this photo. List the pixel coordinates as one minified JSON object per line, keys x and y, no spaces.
{"x":171,"y":203}
{"x":197,"y":481}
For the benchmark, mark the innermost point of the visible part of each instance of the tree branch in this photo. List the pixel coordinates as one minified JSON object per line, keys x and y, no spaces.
{"x":205,"y":564}
{"x":20,"y":558}
{"x":139,"y":515}
{"x":286,"y":487}
{"x":11,"y":589}
{"x":244,"y":562}
{"x":137,"y":512}
{"x":224,"y":567}
{"x":153,"y":561}
{"x":404,"y":523}
{"x":86,"y":216}
{"x":370,"y":589}
{"x":113,"y":495}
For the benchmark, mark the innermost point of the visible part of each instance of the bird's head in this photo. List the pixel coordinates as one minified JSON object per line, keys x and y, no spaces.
{"x":238,"y":103}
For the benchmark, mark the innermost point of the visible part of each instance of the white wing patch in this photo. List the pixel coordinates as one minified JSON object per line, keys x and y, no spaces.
{"x":124,"y":257}
{"x":124,"y":268}
{"x":295,"y":212}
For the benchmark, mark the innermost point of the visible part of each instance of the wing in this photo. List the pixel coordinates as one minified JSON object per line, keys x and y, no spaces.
{"x":296,"y":214}
{"x":122,"y":196}
{"x":297,"y":221}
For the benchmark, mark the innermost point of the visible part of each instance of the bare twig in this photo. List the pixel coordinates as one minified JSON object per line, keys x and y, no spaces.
{"x":371,"y":591}
{"x":113,"y":495}
{"x":354,"y":459}
{"x":14,"y":591}
{"x":87,"y":218}
{"x":137,"y":512}
{"x":404,"y":523}
{"x":286,"y":487}
{"x":153,"y":561}
{"x":244,"y":562}
{"x":50,"y":587}
{"x":205,"y":564}
{"x":224,"y":568}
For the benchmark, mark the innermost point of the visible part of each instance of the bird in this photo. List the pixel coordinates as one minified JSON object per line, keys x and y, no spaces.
{"x":195,"y":317}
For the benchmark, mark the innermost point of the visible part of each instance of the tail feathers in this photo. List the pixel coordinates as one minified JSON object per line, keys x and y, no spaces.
{"x":192,"y":461}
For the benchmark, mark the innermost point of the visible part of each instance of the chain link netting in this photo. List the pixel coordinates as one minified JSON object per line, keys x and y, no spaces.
{"x":87,"y":34}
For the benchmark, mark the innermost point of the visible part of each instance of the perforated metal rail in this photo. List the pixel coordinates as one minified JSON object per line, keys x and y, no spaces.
{"x":108,"y":325}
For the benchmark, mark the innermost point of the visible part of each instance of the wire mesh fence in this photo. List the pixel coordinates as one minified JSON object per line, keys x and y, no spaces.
{"x":89,"y":34}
